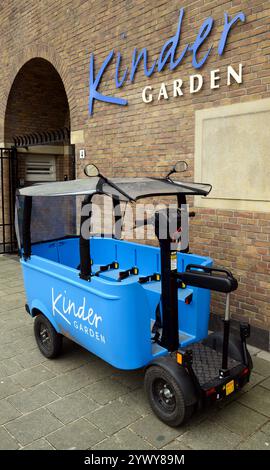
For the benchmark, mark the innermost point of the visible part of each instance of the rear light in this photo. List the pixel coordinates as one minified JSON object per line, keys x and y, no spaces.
{"x":210,"y":392}
{"x":244,"y":372}
{"x":188,"y":299}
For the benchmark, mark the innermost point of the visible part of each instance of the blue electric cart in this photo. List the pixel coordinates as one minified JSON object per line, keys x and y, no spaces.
{"x":132,"y":305}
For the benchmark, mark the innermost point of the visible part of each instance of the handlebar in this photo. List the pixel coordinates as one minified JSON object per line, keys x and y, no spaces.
{"x":208,"y":269}
{"x":219,"y":280}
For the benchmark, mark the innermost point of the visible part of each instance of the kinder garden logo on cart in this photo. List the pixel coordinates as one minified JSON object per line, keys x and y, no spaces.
{"x":77,"y":315}
{"x":168,"y":57}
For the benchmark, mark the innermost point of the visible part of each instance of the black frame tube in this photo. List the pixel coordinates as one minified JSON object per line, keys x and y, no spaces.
{"x":169,"y":299}
{"x":114,"y":186}
{"x":27,"y":210}
{"x":85,"y":256}
{"x":181,"y":199}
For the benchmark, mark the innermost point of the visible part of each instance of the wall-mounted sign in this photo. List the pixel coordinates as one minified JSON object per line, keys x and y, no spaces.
{"x":194,"y":85}
{"x":167,"y":57}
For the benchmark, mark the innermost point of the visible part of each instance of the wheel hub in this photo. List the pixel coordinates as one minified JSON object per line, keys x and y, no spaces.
{"x":44,"y":335}
{"x":164,"y":395}
{"x":166,"y":392}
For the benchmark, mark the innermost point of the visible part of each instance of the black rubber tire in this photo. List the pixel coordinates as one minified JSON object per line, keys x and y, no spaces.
{"x":47,"y":338}
{"x":180,"y":413}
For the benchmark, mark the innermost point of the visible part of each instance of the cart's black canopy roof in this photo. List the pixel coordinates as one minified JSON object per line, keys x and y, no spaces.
{"x":135,"y":188}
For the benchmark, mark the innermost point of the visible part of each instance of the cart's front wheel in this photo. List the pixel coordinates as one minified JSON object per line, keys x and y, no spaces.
{"x":47,"y":338}
{"x":166,"y":397}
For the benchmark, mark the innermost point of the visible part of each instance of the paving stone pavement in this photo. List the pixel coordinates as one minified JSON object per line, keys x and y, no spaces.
{"x":79,"y":402}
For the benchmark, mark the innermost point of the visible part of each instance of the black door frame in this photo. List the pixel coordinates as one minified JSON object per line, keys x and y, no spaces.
{"x":8,"y":183}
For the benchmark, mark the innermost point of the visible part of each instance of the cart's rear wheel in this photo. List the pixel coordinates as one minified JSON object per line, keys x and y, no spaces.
{"x":166,"y":397}
{"x":47,"y":338}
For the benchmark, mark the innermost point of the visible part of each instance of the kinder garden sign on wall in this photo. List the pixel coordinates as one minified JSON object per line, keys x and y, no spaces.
{"x":167,"y":57}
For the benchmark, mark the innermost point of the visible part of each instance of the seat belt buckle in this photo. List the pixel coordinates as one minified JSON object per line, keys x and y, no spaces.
{"x":152,"y":277}
{"x":125,"y":274}
{"x":107,"y":267}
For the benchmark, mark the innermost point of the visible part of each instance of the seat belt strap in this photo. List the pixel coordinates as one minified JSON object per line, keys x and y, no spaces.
{"x":157,"y":325}
{"x":107,"y":267}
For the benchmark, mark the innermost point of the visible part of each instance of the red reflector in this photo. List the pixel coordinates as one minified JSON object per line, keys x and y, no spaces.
{"x":211,"y":391}
{"x":245,"y":371}
{"x":188,"y":299}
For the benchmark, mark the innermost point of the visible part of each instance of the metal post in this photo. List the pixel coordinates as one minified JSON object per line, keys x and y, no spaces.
{"x":227,"y":308}
{"x":3,"y":201}
{"x":11,"y":214}
{"x":226,"y":334}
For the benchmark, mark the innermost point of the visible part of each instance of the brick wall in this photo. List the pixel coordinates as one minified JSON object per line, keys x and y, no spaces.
{"x":146,"y":139}
{"x":240,"y":241}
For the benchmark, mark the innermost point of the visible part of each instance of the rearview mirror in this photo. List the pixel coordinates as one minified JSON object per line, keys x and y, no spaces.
{"x":91,"y":170}
{"x":179,"y":167}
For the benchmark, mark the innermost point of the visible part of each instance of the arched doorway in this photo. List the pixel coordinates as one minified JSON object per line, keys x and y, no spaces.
{"x":37,"y":111}
{"x":37,"y":127}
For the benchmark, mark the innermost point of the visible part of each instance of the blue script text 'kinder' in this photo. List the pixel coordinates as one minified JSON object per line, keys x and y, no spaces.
{"x":167,"y":56}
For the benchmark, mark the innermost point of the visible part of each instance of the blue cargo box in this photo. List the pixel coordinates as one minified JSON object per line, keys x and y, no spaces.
{"x":109,"y":318}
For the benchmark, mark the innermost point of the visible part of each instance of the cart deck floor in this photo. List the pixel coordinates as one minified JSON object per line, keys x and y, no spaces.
{"x":207,"y":363}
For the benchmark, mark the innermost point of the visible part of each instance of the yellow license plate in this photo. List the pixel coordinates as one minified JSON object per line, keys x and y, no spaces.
{"x":230,"y":387}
